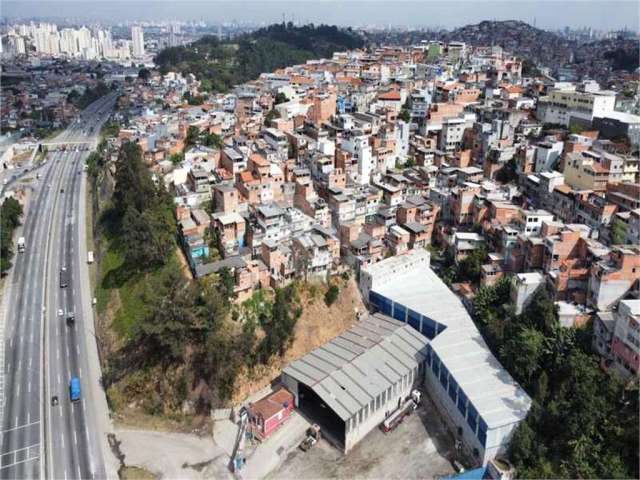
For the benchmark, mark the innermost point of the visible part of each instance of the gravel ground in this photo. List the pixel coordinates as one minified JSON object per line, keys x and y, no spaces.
{"x":420,"y":447}
{"x":173,"y":455}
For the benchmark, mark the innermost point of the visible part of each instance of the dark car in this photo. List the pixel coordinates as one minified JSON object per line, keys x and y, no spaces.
{"x":54,"y":400}
{"x":62,"y":190}
{"x":71,"y":320}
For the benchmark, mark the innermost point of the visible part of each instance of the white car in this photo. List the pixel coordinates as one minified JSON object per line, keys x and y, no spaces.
{"x":60,"y":312}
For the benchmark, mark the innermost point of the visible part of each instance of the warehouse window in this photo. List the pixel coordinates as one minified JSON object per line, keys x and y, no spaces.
{"x":384,"y":398}
{"x":360,"y":416}
{"x":444,"y":375}
{"x":429,"y":354}
{"x":472,"y":417}
{"x":389,"y":394}
{"x":372,"y":406}
{"x":462,"y":403}
{"x":399,"y":312}
{"x":428,"y":327}
{"x":435,"y":366}
{"x":414,"y":319}
{"x":366,"y":411}
{"x":453,"y":389}
{"x":482,"y":432}
{"x":377,"y":402}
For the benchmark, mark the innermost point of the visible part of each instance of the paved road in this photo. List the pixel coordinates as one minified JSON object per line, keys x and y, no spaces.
{"x":53,"y":229}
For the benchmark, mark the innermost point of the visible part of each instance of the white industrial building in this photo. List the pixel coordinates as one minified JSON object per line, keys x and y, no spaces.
{"x":352,"y":383}
{"x":480,"y":400}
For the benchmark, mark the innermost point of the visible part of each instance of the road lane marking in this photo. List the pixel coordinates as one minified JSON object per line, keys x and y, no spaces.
{"x":75,"y":438}
{"x":29,"y":387}
{"x":18,"y":427}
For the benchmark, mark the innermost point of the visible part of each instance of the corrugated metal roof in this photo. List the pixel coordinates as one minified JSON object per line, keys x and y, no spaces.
{"x":493,"y":392}
{"x":349,"y":371}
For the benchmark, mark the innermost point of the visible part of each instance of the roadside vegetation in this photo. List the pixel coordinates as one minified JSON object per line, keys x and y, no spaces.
{"x":583,"y":421}
{"x":174,"y":347}
{"x":10,"y":214}
{"x":89,"y":96}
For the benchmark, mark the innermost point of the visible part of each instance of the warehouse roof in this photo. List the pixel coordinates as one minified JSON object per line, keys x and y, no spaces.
{"x":462,"y":350}
{"x":351,"y":370}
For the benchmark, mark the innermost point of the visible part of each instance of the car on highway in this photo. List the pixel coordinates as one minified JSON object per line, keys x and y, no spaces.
{"x":62,"y":190}
{"x":71,"y":319}
{"x":54,"y":400}
{"x":60,"y":312}
{"x":64,"y":278}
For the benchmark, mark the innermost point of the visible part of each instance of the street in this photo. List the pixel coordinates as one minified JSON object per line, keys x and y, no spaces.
{"x":41,"y":352}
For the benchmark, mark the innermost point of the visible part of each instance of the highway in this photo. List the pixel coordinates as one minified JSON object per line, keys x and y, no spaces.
{"x":41,"y":352}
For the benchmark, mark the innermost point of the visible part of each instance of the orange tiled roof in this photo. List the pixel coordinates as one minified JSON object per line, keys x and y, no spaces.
{"x":390,"y":96}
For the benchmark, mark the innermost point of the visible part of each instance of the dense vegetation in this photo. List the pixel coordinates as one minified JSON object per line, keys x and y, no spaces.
{"x":89,"y":96}
{"x":10,"y":213}
{"x":583,"y":422}
{"x":221,"y":65}
{"x":177,"y":342}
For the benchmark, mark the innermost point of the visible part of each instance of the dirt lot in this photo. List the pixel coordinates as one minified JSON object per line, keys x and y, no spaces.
{"x":420,"y":447}
{"x":173,"y":455}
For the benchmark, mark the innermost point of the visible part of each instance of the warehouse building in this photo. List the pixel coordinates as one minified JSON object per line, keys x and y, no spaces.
{"x":481,"y":401}
{"x":352,"y":383}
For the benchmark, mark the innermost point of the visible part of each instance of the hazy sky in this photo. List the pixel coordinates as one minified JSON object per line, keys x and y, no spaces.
{"x":549,"y":14}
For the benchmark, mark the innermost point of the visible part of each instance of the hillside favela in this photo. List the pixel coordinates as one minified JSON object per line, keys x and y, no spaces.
{"x":319,"y":240}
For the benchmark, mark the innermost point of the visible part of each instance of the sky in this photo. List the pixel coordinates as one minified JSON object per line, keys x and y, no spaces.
{"x":547,"y":14}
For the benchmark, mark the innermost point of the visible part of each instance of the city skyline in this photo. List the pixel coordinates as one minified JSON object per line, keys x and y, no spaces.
{"x":574,"y":14}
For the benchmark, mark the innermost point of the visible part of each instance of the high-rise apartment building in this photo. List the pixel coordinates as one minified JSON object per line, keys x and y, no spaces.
{"x":137,"y":39}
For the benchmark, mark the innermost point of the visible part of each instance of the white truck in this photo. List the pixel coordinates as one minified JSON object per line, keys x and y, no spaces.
{"x":21,"y":245}
{"x":89,"y":256}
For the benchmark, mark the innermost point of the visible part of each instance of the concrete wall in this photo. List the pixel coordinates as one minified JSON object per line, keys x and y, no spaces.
{"x":497,"y":439}
{"x":378,"y":410}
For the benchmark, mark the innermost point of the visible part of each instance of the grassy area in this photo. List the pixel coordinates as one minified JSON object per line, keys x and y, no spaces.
{"x":135,"y":473}
{"x":88,"y":225}
{"x":130,"y":289}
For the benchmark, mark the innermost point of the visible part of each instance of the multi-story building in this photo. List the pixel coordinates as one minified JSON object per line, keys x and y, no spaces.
{"x":137,"y":41}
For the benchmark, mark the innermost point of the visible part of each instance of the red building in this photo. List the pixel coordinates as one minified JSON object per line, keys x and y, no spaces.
{"x":267,"y":414}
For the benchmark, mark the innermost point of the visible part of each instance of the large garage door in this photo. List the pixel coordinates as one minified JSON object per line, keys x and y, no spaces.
{"x":314,"y":408}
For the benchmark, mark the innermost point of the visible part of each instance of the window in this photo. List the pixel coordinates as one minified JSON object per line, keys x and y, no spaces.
{"x":399,"y":312}
{"x":462,"y":403}
{"x":444,"y":377}
{"x":482,"y":434}
{"x":435,"y":366}
{"x":472,"y":417}
{"x":453,"y":389}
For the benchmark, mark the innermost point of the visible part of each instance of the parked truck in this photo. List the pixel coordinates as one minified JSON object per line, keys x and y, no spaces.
{"x":21,"y":245}
{"x":396,"y":418}
{"x":89,"y":256}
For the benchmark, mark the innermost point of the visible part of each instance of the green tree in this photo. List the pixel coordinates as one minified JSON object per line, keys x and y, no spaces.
{"x":332,"y":295}
{"x":618,"y":232}
{"x":524,"y":352}
{"x":281,"y":98}
{"x":271,"y":115}
{"x":10,"y":214}
{"x":177,"y":158}
{"x":193,"y":133}
{"x":470,"y":268}
{"x":144,"y":74}
{"x":172,"y":321}
{"x":405,"y":115}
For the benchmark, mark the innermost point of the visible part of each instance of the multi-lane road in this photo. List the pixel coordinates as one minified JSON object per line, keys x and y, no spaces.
{"x":39,"y":438}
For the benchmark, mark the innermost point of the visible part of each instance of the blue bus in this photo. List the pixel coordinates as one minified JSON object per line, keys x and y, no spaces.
{"x":74,"y":389}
